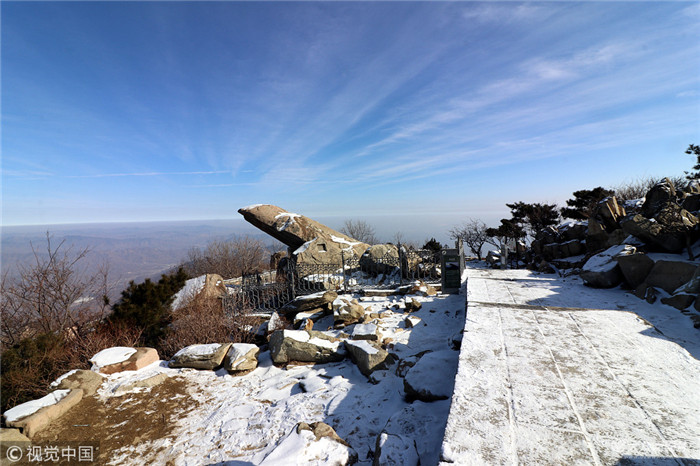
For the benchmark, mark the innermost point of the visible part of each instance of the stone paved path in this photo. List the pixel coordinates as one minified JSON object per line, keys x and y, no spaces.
{"x":546,"y":377}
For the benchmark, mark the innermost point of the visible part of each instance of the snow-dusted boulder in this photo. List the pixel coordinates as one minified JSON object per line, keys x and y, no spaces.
{"x":33,"y":416}
{"x":367,"y":357}
{"x":208,"y":356}
{"x":346,"y":312}
{"x":304,"y":346}
{"x":275,"y":323}
{"x":122,"y":358}
{"x":635,"y":266}
{"x":420,"y":440}
{"x":380,"y":258}
{"x":311,"y":444}
{"x":87,"y":381}
{"x":241,"y":357}
{"x":206,"y":286}
{"x":669,"y":275}
{"x":365,"y":332}
{"x":432,"y":377}
{"x":602,"y":270}
{"x":316,"y":302}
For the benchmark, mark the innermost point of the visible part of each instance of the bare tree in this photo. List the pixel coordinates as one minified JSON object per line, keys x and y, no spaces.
{"x":230,"y":259}
{"x":473,"y":233}
{"x":54,"y":294}
{"x":360,"y":230}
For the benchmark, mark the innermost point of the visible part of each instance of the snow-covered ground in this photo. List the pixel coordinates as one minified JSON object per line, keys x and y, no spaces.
{"x":242,"y":419}
{"x":552,"y":372}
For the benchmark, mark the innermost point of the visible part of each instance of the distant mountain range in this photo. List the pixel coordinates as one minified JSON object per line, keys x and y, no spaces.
{"x":134,"y":251}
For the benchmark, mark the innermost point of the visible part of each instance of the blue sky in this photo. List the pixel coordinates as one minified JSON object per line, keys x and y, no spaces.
{"x":174,"y":111}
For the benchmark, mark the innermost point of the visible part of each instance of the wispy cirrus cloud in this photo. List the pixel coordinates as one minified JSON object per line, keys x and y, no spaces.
{"x":116,"y":175}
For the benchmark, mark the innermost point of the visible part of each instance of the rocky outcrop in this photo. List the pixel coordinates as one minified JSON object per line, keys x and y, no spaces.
{"x":367,"y":357}
{"x":307,"y":237}
{"x":304,"y":346}
{"x":207,"y":357}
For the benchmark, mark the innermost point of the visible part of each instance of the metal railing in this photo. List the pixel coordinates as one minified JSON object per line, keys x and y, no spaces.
{"x":264,"y":293}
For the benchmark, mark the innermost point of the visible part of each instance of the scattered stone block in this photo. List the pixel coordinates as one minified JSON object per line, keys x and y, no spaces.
{"x":241,"y":357}
{"x":304,"y":346}
{"x":670,"y":275}
{"x":367,"y":357}
{"x":207,"y":357}
{"x":426,"y":380}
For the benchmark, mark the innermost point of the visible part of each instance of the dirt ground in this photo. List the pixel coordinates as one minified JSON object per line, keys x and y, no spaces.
{"x":122,"y":420}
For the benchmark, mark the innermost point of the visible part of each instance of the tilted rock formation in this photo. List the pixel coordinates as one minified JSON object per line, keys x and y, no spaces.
{"x":300,"y":233}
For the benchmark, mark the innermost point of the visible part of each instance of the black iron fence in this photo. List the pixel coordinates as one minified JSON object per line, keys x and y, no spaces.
{"x":390,"y":268}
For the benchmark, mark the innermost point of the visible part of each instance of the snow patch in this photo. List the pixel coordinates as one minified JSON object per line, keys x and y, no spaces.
{"x":110,"y":356}
{"x":198,"y":350}
{"x":192,"y":288}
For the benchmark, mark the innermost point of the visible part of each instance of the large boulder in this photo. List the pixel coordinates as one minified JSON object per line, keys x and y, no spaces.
{"x":432,"y":377}
{"x":34,"y":416}
{"x":609,"y":212}
{"x":679,"y":301}
{"x":207,"y":357}
{"x":304,"y":346}
{"x":670,"y":275}
{"x":572,"y":230}
{"x":315,"y":443}
{"x":380,"y":259}
{"x":653,"y":233}
{"x":295,"y":230}
{"x":241,"y":357}
{"x":321,"y":301}
{"x":122,"y":358}
{"x":367,"y":357}
{"x":658,"y":197}
{"x":635,"y":266}
{"x":206,"y":286}
{"x":602,"y":270}
{"x":327,"y":249}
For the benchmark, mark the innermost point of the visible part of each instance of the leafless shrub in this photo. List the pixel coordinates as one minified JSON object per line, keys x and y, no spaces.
{"x":638,"y":188}
{"x":201,"y":320}
{"x":473,"y":233}
{"x":360,"y":230}
{"x":52,"y":295}
{"x":230,"y":259}
{"x":104,"y":335}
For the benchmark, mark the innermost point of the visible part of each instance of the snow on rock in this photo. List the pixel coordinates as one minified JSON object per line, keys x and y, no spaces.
{"x":56,"y":382}
{"x":394,"y":449}
{"x":110,"y":356}
{"x":192,"y":288}
{"x":30,"y":407}
{"x":304,"y":346}
{"x":209,"y":356}
{"x":303,"y":446}
{"x":290,"y":220}
{"x":241,"y":357}
{"x":432,"y":377}
{"x":368,"y":357}
{"x":602,"y":270}
{"x":365,"y":332}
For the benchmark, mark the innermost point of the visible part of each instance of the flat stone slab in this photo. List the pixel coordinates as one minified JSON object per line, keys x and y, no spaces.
{"x":546,"y":386}
{"x":40,"y":419}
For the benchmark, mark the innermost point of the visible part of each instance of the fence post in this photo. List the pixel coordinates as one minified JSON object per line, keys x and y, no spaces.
{"x":345,"y":277}
{"x":291,"y":272}
{"x":401,"y":270}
